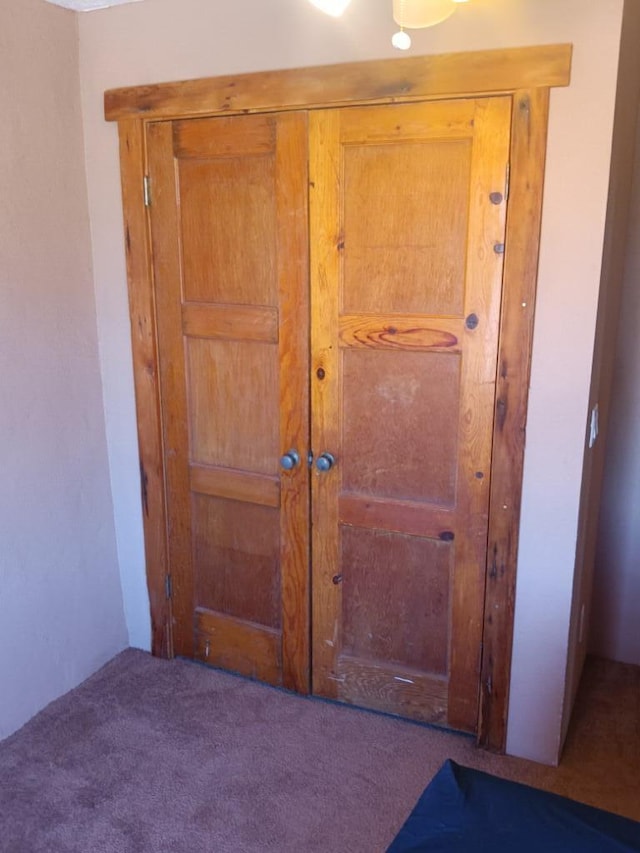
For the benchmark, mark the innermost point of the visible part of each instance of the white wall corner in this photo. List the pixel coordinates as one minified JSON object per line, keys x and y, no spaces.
{"x":89,"y":5}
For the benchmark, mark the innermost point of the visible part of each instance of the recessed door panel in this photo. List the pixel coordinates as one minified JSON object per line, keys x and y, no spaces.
{"x":404,"y":624}
{"x":236,"y":559}
{"x":233,"y":423}
{"x":412,"y":262}
{"x":406,"y":289}
{"x":400,"y":427}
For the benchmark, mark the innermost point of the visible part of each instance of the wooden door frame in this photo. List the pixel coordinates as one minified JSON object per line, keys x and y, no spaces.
{"x":523,"y":74}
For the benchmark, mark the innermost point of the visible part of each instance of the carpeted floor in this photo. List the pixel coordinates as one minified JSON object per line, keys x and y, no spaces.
{"x":150,"y":756}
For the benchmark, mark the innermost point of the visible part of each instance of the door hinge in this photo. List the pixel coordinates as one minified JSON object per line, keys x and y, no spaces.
{"x":146,"y":191}
{"x":507,"y":181}
{"x":168,"y":586}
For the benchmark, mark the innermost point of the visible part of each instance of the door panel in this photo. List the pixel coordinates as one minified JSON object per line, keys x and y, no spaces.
{"x":406,"y":284}
{"x":230,"y":235}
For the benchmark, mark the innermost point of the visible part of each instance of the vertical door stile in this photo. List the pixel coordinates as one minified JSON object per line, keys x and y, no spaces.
{"x":482,"y":301}
{"x":326,"y":245}
{"x":293,"y":276}
{"x":165,"y":230}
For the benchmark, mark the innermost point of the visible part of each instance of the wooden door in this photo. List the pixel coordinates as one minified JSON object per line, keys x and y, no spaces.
{"x":407,"y":224}
{"x":229,"y":245}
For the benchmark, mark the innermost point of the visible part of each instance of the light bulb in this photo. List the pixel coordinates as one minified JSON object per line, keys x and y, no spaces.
{"x":401,"y":40}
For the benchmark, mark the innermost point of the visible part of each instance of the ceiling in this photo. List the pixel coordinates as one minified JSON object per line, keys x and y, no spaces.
{"x":89,"y":5}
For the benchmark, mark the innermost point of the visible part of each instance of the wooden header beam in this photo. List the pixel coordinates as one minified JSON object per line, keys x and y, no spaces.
{"x":486,"y":72}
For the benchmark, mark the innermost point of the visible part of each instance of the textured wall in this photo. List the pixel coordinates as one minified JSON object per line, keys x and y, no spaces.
{"x":166,"y":40}
{"x":61,"y":613}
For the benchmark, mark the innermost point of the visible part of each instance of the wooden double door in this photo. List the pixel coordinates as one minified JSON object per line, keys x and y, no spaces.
{"x":327,"y":296}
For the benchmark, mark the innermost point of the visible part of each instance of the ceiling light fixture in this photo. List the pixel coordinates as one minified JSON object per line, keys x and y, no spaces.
{"x":331,"y":7}
{"x":408,"y":14}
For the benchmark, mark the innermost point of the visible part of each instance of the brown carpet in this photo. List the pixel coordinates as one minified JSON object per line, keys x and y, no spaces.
{"x":150,"y":756}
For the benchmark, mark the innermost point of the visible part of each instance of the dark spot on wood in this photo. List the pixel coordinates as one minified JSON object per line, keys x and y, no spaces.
{"x":495,"y":198}
{"x":341,"y":245}
{"x":472,"y":322}
{"x":479,"y":475}
{"x":501,"y":413}
{"x":128,"y":239}
{"x":447,"y":536}
{"x":504,"y":369}
{"x":391,"y":330}
{"x":336,"y":579}
{"x":144,"y":484}
{"x":320,"y":373}
{"x":312,"y":183}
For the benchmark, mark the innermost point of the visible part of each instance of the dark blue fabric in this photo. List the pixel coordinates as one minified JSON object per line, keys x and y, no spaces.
{"x":466,"y":811}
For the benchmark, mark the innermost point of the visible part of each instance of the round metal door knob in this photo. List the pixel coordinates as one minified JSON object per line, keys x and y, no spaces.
{"x":289,"y":460}
{"x":325,"y":462}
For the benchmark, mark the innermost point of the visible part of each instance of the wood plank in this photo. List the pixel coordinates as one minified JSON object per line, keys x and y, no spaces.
{"x":324,"y":206}
{"x":407,"y":333}
{"x":528,"y":148}
{"x":393,"y":690}
{"x":410,"y":517}
{"x":235,"y":485}
{"x":147,"y":390}
{"x":242,"y":647}
{"x":230,"y":322}
{"x":483,"y":296}
{"x":193,"y":139}
{"x":292,"y":188}
{"x":164,"y":231}
{"x":447,"y":120}
{"x":380,"y":81}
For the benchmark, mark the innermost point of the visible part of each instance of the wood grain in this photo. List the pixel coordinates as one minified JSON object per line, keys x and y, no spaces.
{"x":235,"y":485}
{"x":292,"y":204}
{"x":233,"y":322}
{"x":483,"y":294}
{"x":381,"y":81}
{"x":254,"y":136}
{"x":528,"y":148}
{"x":147,"y":389}
{"x":242,"y":647}
{"x":410,"y":517}
{"x":393,"y":690}
{"x":167,"y":276}
{"x":390,"y":331}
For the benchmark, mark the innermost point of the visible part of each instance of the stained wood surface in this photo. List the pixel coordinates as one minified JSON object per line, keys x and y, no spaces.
{"x":528,"y":148}
{"x":401,"y":520}
{"x":229,"y":230}
{"x":521,"y":73}
{"x":147,"y":385}
{"x":418,"y":78}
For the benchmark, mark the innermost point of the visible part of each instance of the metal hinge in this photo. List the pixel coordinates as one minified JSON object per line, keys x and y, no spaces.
{"x":168,"y":586}
{"x":507,"y":181}
{"x":146,"y":191}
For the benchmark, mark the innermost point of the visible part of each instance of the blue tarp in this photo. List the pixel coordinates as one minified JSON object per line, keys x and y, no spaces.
{"x":467,"y":811}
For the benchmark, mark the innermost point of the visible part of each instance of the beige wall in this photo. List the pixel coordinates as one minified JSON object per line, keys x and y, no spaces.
{"x":163,"y":40}
{"x":61,"y":613}
{"x":619,"y":241}
{"x":615,"y":632}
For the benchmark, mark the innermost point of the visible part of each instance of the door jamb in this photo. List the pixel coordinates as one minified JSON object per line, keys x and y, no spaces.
{"x":525,"y":75}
